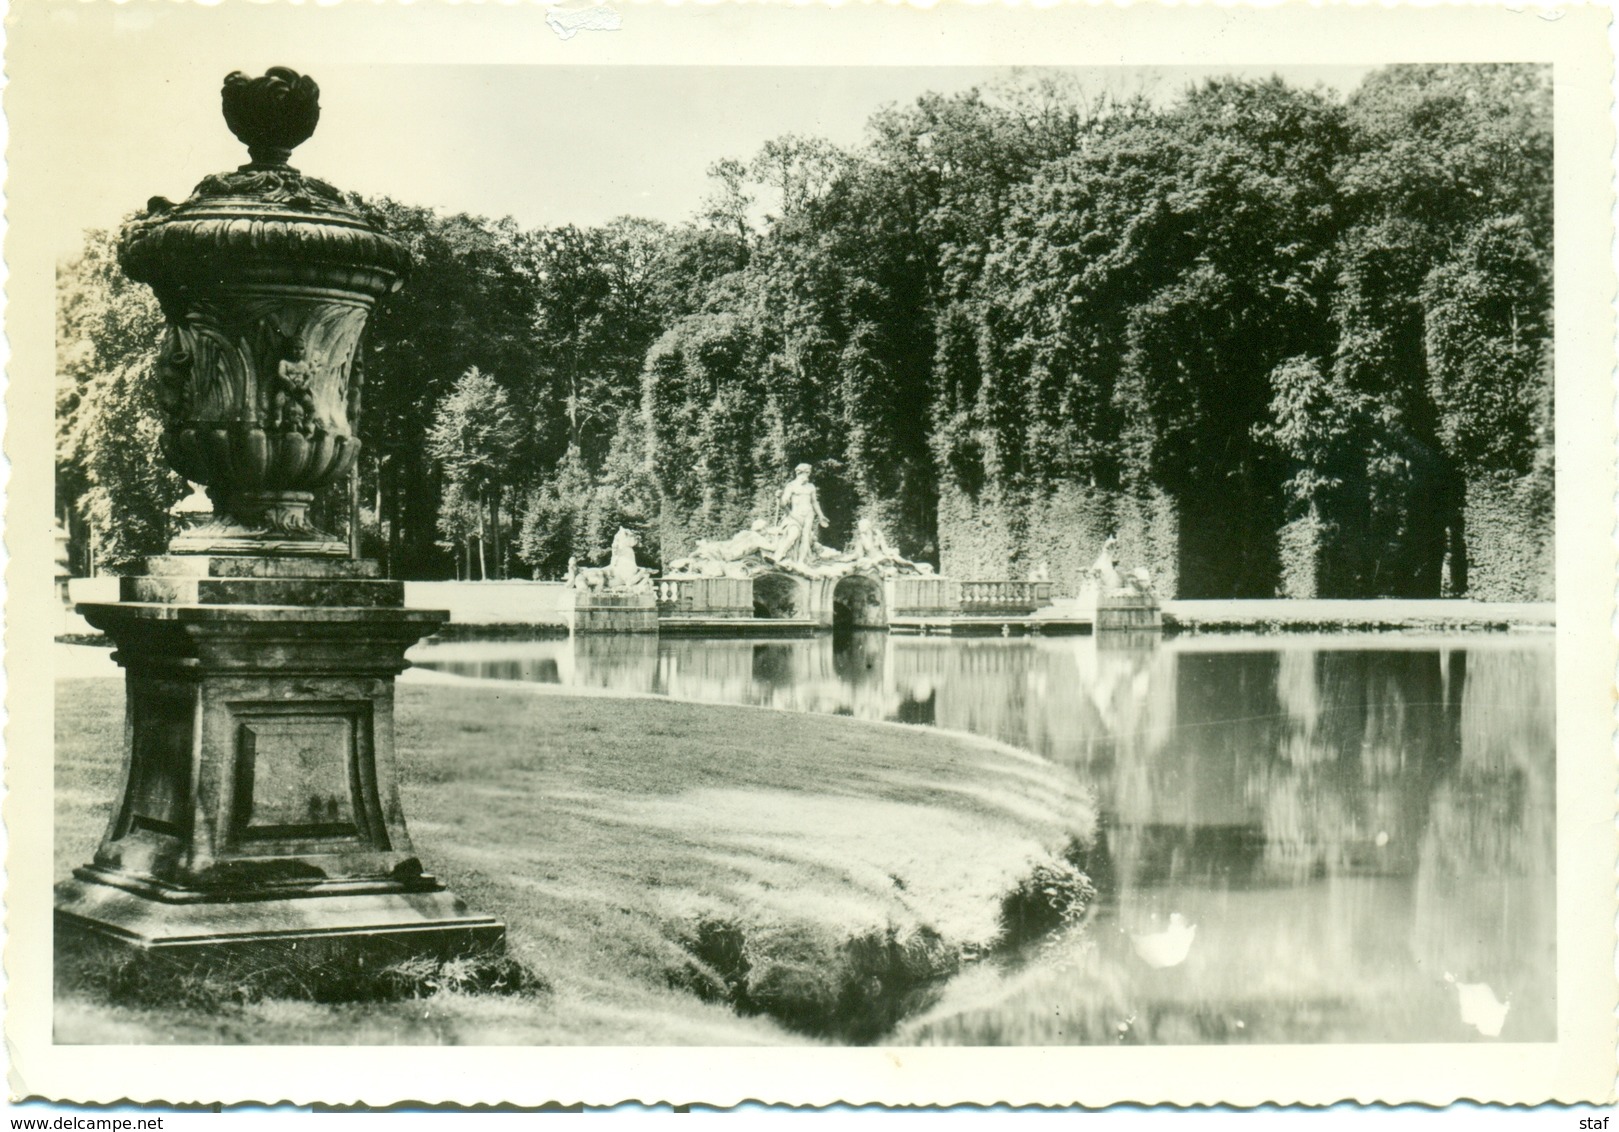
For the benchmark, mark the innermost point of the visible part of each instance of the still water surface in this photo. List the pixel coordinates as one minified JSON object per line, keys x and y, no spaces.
{"x":1303,"y":838}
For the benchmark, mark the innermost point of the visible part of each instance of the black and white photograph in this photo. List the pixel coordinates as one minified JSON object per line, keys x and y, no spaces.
{"x":1033,"y":556}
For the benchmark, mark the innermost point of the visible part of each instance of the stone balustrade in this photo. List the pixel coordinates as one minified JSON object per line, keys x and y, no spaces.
{"x":978,"y":598}
{"x":923,"y":595}
{"x":704,"y":597}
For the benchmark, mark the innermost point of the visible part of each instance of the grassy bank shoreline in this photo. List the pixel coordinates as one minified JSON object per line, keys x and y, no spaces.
{"x":609,"y":831}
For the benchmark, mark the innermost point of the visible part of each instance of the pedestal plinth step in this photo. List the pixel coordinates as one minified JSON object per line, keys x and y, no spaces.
{"x":583,"y":601}
{"x":262,"y":590}
{"x":321,"y":949}
{"x":259,"y":566}
{"x":397,"y":924}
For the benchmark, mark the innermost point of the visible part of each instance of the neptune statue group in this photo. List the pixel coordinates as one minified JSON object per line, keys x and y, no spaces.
{"x":792,"y":544}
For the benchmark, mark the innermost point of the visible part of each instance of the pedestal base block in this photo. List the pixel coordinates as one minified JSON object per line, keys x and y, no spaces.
{"x":1128,"y":612}
{"x":613,"y":613}
{"x":259,"y":816}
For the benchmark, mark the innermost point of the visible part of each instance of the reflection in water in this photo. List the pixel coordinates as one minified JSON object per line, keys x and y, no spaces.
{"x":1303,"y":839}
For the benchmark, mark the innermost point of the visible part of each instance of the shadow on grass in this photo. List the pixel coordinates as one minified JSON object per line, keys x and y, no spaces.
{"x":857,"y":986}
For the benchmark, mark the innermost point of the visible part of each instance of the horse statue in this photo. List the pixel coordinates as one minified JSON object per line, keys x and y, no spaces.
{"x":1105,"y":573}
{"x":622,"y":574}
{"x":1105,"y":570}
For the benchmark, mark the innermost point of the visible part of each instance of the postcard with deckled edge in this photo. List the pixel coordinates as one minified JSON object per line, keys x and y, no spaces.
{"x":703,"y":553}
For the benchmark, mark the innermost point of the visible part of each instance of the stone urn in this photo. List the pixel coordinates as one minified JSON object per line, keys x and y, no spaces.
{"x":266,"y":279}
{"x":259,"y":810}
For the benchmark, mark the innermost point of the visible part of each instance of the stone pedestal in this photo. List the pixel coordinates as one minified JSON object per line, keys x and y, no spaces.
{"x":259,"y":807}
{"x":613,"y":612}
{"x":1128,"y":612}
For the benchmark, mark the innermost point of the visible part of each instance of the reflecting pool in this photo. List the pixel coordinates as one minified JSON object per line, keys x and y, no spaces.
{"x":1345,"y":838}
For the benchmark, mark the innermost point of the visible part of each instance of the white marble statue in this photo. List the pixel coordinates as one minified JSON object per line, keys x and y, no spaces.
{"x":801,"y":529}
{"x":1104,"y":574}
{"x":758,"y":538}
{"x":1105,"y":570}
{"x":872,"y":551}
{"x":793,"y":545}
{"x":622,"y":574}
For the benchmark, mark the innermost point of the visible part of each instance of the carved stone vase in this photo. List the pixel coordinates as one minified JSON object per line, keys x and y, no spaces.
{"x":266,"y":280}
{"x":259,"y":808}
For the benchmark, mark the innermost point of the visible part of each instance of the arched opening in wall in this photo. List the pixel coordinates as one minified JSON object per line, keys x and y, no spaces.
{"x":775,"y":596}
{"x":857,"y":603}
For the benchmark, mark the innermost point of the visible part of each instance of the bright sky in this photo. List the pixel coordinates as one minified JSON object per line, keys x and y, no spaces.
{"x":547,"y":144}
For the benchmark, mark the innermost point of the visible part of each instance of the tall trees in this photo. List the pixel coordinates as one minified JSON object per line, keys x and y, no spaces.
{"x":1442,"y":304}
{"x":472,"y":438}
{"x":1188,"y":297}
{"x":469,"y":303}
{"x":829,"y":326}
{"x":708,"y":417}
{"x":593,"y":321}
{"x":1247,"y":309}
{"x":1138,"y":295}
{"x":605,"y":295}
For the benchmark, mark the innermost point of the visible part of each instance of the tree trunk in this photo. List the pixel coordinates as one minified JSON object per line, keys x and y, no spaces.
{"x":483,"y":566}
{"x":354,"y":510}
{"x":499,"y":543}
{"x":395,"y":501}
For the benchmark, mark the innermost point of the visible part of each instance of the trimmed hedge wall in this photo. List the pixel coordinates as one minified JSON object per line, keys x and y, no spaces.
{"x":998,"y":535}
{"x":1506,"y":551}
{"x":1510,"y":544}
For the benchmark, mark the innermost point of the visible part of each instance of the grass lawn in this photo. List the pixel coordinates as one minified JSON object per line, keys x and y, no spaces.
{"x":615,"y":836}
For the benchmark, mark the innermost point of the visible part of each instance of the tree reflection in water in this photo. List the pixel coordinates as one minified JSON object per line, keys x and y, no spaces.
{"x":1360,"y":829}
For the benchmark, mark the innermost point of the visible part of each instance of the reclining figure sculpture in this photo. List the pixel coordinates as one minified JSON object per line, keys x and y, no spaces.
{"x":792,"y":545}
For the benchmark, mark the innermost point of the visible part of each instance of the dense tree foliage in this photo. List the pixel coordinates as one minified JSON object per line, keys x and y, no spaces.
{"x":1446,"y":194}
{"x":469,"y":304}
{"x":472,"y":438}
{"x":1137,"y":298}
{"x":109,"y":480}
{"x":1267,"y":305}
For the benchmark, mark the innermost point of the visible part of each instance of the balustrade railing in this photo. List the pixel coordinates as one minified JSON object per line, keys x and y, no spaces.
{"x":908,"y":596}
{"x":924,"y":596}
{"x":703,"y":597}
{"x":672,"y":593}
{"x":1004,"y":597}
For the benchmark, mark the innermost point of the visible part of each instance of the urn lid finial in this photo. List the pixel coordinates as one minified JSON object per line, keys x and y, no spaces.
{"x":272,"y":114}
{"x":264,"y":220}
